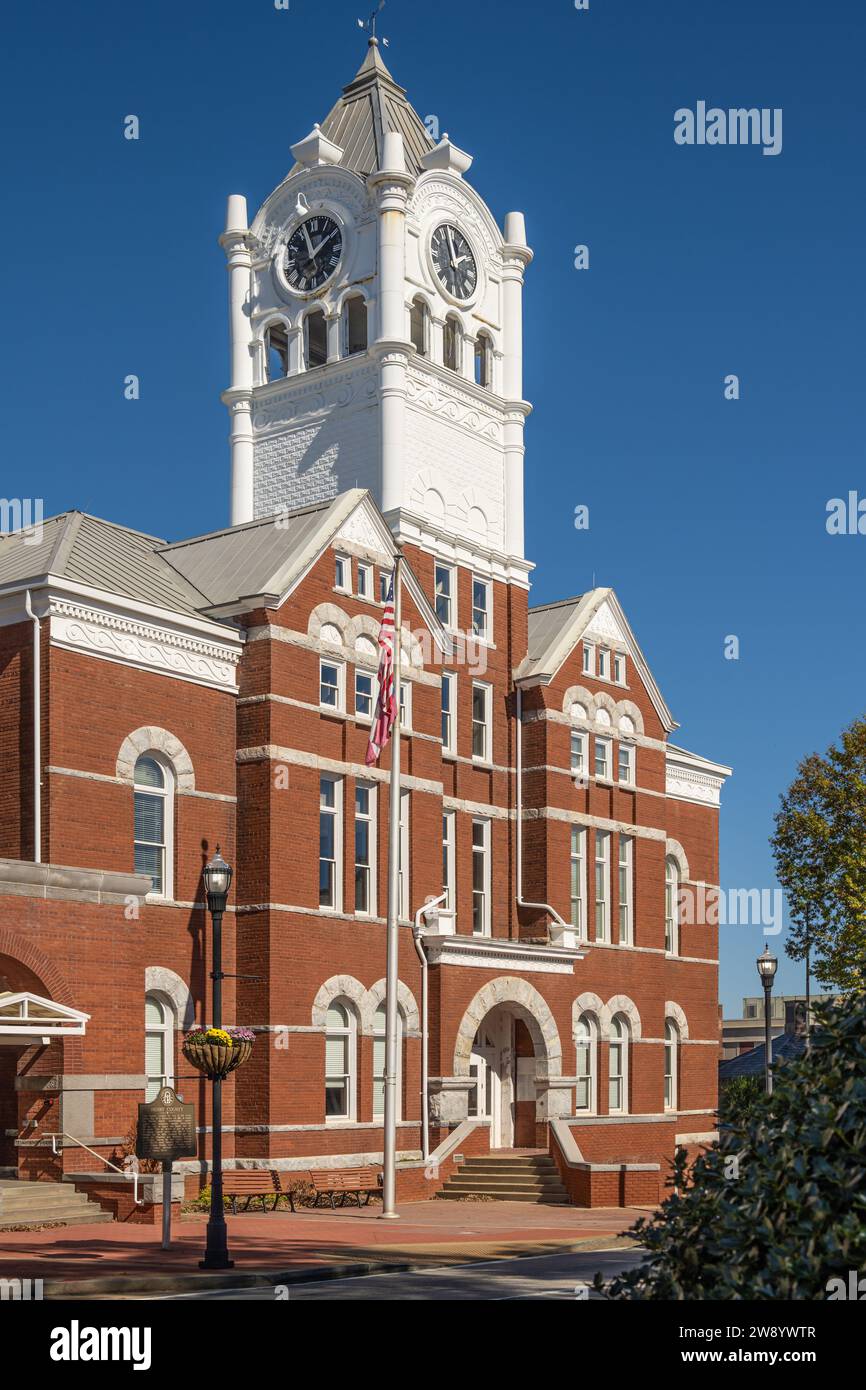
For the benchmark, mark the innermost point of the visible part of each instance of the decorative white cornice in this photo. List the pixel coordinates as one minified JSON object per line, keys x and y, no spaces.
{"x":692,"y":778}
{"x":117,"y":637}
{"x":489,"y":953}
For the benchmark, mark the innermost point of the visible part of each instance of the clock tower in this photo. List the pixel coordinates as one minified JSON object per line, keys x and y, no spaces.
{"x":376,"y":330}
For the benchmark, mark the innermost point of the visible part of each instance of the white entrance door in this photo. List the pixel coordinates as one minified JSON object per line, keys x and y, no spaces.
{"x":485,"y":1068}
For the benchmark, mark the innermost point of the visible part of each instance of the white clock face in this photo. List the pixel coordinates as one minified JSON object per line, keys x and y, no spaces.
{"x":454,"y":261}
{"x":313,"y":253}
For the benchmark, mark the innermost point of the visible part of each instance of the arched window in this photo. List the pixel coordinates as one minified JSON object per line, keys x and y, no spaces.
{"x":672,"y":893}
{"x":585,"y":1042}
{"x":355,"y":325}
{"x":154,"y":823}
{"x":419,"y":326}
{"x":315,"y":339}
{"x":617,"y":1085}
{"x":484,"y":361}
{"x":276,"y":352}
{"x":379,"y":1063}
{"x":672,"y":1043}
{"x":159,"y":1025}
{"x":341,"y":1061}
{"x":453,"y":344}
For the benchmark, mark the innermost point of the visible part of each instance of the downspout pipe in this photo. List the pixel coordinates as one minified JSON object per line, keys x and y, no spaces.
{"x":418,"y":935}
{"x":37,"y":731}
{"x":521,"y":901}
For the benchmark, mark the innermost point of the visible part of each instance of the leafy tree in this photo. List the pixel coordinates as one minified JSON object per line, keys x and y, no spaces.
{"x":737,"y":1098}
{"x":778,"y":1206}
{"x":820,"y":850}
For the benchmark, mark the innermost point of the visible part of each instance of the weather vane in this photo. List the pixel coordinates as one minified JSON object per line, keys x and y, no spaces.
{"x":370,"y":24}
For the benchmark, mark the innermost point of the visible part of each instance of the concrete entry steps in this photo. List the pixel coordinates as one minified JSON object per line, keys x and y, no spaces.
{"x":31,"y":1203}
{"x":511,"y":1178}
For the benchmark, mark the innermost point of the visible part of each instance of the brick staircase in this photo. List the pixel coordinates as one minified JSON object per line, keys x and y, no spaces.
{"x":28,"y":1203}
{"x":509,"y":1178}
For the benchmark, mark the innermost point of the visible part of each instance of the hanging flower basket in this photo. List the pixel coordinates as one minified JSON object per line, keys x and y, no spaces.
{"x":218,"y":1051}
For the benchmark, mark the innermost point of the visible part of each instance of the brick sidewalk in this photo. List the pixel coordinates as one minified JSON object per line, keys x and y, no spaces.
{"x":308,"y":1240}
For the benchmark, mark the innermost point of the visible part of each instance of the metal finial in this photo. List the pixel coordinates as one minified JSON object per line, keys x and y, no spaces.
{"x":370,"y":24}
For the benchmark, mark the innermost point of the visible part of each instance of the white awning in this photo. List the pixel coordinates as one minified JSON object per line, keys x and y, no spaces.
{"x":27,"y":1018}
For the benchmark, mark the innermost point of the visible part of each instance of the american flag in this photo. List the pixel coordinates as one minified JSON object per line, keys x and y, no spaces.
{"x":386,"y":704}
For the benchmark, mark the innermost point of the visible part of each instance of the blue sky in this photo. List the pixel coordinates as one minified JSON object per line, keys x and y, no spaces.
{"x":707,"y":516}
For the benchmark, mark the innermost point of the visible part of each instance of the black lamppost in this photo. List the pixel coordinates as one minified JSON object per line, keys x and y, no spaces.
{"x":217,"y":880}
{"x":767,"y":965}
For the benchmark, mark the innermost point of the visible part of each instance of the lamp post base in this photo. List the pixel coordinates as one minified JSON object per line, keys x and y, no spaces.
{"x":216,"y":1263}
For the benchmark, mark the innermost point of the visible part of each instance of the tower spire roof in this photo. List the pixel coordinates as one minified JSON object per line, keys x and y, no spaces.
{"x":371,"y":106}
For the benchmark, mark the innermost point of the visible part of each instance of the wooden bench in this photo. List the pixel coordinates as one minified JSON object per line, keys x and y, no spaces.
{"x":345,"y":1182}
{"x":249,"y":1183}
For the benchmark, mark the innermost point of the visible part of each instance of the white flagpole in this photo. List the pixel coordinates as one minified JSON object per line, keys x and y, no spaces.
{"x":389,"y":1181}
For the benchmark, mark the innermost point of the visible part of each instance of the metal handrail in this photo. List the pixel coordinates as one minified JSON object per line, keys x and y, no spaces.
{"x":131,"y":1177}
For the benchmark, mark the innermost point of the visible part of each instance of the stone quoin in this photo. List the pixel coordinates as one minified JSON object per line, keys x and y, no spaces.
{"x":159,"y":698}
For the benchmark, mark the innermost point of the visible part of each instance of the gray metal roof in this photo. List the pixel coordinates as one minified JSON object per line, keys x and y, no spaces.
{"x":371,"y":106}
{"x":782,"y":1048}
{"x":546,"y":625}
{"x":100,"y":554}
{"x":263,"y":557}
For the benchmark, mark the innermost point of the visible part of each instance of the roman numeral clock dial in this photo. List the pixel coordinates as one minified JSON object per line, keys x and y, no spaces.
{"x":313,"y":253}
{"x":454,"y":261}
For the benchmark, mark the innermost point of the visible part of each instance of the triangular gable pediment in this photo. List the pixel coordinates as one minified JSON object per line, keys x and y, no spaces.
{"x":604,"y":625}
{"x":25,"y":1014}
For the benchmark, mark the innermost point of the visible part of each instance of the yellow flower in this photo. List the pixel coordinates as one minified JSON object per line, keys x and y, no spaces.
{"x":219,"y":1035}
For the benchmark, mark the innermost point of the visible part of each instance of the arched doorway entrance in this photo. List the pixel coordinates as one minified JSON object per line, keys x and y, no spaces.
{"x":508,"y":1047}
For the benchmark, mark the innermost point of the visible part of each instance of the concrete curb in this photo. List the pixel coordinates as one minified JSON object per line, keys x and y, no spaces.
{"x":130,"y":1286}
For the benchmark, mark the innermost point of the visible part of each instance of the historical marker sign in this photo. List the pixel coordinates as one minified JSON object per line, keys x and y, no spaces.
{"x":166,"y":1128}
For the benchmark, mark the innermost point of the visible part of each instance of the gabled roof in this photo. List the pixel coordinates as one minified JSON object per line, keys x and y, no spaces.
{"x":782,"y":1048}
{"x":556,"y":628}
{"x":86,"y":550}
{"x":25,"y":1016}
{"x":371,"y":106}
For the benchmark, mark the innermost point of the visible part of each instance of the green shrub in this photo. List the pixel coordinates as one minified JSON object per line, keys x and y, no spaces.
{"x":778,"y":1206}
{"x":737,"y":1098}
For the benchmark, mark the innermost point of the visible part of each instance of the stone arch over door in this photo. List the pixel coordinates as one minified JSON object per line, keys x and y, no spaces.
{"x":527,"y":1004}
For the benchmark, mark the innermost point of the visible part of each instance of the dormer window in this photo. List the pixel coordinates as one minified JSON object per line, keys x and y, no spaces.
{"x":315,"y":339}
{"x":355,"y":325}
{"x":484,"y":361}
{"x":453,"y":343}
{"x":419,"y":317}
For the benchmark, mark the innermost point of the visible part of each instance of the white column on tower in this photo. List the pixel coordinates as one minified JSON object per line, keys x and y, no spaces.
{"x":516,"y":256}
{"x":238,"y":397}
{"x":392,"y":184}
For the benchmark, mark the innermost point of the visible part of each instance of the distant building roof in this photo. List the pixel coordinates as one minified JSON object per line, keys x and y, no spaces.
{"x":751,"y":1063}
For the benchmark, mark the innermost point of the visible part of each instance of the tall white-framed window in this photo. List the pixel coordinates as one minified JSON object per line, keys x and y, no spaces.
{"x":343,"y":573}
{"x":482,"y":618}
{"x":330,"y":843}
{"x":341,"y":1061}
{"x":404,"y":900}
{"x":626,"y":890}
{"x":626,"y":764}
{"x":481,"y":730}
{"x":364,"y":580}
{"x":603,"y":664}
{"x":619,"y":668}
{"x":588,"y":659}
{"x":617,"y":1097}
{"x":153,"y":797}
{"x":602,"y":758}
{"x":449,"y":712}
{"x":585,"y":1040}
{"x":672,"y":1040}
{"x":364,"y":693}
{"x":602,"y":885}
{"x":578,"y":880}
{"x":332,"y":675}
{"x":405,"y":703}
{"x":379,"y":1058}
{"x":365,"y":849}
{"x":672,"y":893}
{"x":445,"y":585}
{"x":449,"y":842}
{"x":159,"y":1030}
{"x":481,"y":877}
{"x":578,"y":754}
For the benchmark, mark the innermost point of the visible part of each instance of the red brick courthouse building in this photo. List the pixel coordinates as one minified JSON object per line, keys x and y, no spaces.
{"x":159,"y":698}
